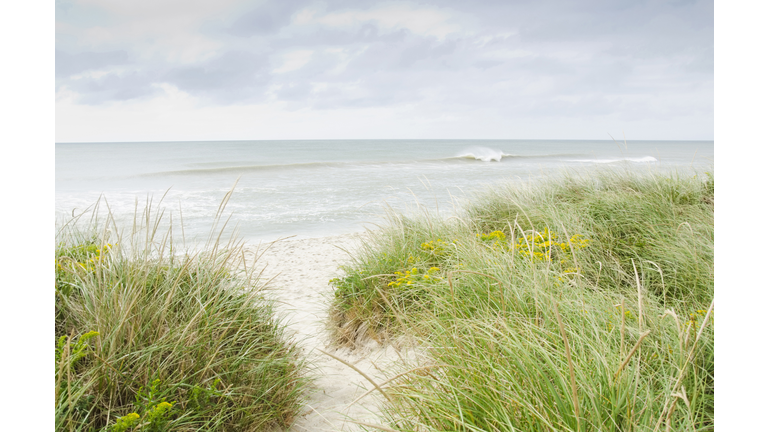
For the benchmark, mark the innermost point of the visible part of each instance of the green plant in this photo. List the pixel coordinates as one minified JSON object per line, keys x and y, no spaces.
{"x":185,"y":339}
{"x":156,"y":413}
{"x":562,"y":305}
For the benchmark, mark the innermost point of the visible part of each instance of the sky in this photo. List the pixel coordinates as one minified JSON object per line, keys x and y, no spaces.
{"x":175,"y":70}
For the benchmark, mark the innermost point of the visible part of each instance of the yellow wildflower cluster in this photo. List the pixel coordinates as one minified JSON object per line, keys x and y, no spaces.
{"x":435,"y":247}
{"x":497,"y":238}
{"x":85,"y":256}
{"x":693,"y":317}
{"x":126,"y":422}
{"x":578,"y":242}
{"x":567,"y":272}
{"x":77,"y":349}
{"x":156,"y":415}
{"x":414,"y":275}
{"x":495,"y":235}
{"x":541,"y":245}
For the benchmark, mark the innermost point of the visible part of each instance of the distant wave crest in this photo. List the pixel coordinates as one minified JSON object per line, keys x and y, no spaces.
{"x":484,"y":154}
{"x":247,"y":168}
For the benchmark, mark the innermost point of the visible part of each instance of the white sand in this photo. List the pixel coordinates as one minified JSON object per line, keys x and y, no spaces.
{"x":301,"y":270}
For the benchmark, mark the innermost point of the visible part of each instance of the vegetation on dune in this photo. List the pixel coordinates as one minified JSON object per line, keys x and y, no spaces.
{"x":152,"y":338}
{"x":578,"y":304}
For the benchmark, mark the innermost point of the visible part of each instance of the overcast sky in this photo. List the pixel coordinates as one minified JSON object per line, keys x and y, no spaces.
{"x":145,"y":70}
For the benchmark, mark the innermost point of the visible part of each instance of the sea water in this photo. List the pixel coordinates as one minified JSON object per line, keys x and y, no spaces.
{"x":327,"y":187}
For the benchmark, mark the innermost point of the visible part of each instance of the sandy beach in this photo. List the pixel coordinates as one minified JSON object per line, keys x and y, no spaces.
{"x":299,"y":271}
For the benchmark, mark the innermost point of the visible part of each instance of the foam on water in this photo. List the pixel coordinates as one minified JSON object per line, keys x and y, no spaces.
{"x":484,"y":154}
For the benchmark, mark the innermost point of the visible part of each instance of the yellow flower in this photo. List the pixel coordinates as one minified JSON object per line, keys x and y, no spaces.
{"x":163,"y":406}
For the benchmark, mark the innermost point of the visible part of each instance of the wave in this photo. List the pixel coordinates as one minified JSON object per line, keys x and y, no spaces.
{"x":644,"y":159}
{"x":292,"y":166}
{"x":248,"y":168}
{"x":483,"y":154}
{"x":486,"y":154}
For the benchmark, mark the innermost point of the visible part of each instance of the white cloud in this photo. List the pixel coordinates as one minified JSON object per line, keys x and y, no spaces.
{"x":196,"y":10}
{"x":164,"y":30}
{"x":419,"y":20}
{"x":294,"y":60}
{"x":507,"y":54}
{"x":92,"y":74}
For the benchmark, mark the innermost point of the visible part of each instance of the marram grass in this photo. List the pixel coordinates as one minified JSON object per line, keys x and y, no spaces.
{"x":576,"y":304}
{"x":152,"y":338}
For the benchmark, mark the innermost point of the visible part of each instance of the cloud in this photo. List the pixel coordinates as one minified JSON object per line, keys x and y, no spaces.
{"x":266,"y":19}
{"x":523,"y":59}
{"x":294,"y":60}
{"x":427,"y":21}
{"x":234,"y":76}
{"x":99,"y":89}
{"x":71,"y":64}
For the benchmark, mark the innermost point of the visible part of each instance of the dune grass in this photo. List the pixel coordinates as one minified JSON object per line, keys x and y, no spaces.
{"x":150,"y":337}
{"x":574,"y":304}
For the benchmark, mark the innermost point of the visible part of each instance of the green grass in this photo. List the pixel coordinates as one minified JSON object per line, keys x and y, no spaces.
{"x":151,"y":337}
{"x":577,"y":304}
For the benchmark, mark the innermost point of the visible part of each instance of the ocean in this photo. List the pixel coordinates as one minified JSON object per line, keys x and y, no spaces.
{"x":328,"y":187}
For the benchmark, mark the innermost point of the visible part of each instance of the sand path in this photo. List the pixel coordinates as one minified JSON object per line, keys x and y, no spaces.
{"x":300,"y":271}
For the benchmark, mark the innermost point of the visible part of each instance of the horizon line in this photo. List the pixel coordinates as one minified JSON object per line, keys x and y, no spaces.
{"x":376,"y":139}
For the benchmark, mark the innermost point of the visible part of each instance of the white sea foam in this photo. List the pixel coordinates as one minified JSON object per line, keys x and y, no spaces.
{"x":484,"y":154}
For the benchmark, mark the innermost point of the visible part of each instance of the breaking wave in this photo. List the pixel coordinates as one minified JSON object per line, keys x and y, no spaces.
{"x":484,"y":154}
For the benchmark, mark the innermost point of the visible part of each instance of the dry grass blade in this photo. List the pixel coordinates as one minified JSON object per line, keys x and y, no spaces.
{"x":623,"y":327}
{"x":363,"y":374}
{"x":394,"y":378}
{"x":574,"y":394}
{"x":379,"y":427}
{"x":394,"y":311}
{"x":631,"y":353}
{"x":680,"y":377}
{"x":639,"y":298}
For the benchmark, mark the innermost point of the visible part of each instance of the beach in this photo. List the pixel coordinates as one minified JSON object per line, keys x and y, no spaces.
{"x":457,"y":249}
{"x":298,"y":271}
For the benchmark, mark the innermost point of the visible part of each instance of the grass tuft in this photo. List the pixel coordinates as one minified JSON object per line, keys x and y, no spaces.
{"x":577,"y":303}
{"x":150,"y":337}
